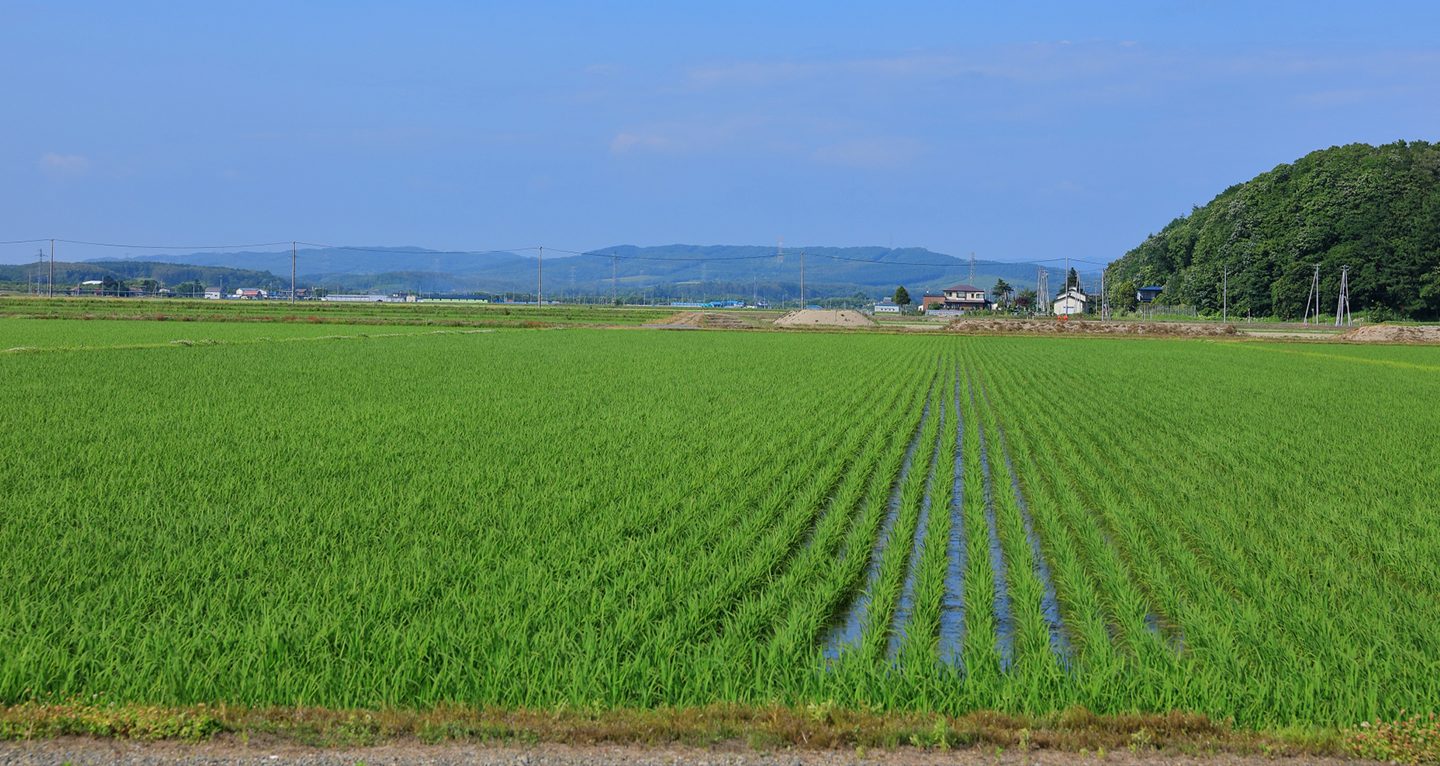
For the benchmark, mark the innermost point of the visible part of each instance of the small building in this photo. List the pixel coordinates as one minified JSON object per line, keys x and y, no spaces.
{"x":1148,"y":294}
{"x":928,"y":302}
{"x":1072,"y":301}
{"x":887,"y":306}
{"x":250,"y":294}
{"x":213,"y":294}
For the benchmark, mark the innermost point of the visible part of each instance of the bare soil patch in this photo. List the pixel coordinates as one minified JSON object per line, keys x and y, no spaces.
{"x":1089,"y":327}
{"x":825,"y":318}
{"x":1393,"y":333}
{"x":702,"y":319}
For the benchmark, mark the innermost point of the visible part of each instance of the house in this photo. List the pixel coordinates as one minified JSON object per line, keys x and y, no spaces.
{"x":250,"y":294}
{"x":887,"y":306}
{"x":1148,"y":294}
{"x":356,"y":298}
{"x":213,"y":294}
{"x":88,"y":287}
{"x":928,"y":302}
{"x":1072,"y":301}
{"x":964,"y":298}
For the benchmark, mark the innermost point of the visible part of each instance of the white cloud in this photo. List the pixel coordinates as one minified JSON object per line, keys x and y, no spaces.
{"x":64,"y":164}
{"x":685,"y":137}
{"x":870,"y":153}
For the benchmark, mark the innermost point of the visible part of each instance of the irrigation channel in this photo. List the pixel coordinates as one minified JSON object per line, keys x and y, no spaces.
{"x":881,"y":609}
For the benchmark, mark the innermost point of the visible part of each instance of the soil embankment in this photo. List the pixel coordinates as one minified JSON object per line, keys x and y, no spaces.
{"x":1089,"y":327}
{"x":1393,"y":333}
{"x":825,"y":318}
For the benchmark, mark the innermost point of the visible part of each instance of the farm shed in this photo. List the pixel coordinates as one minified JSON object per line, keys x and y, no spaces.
{"x":1072,"y":301}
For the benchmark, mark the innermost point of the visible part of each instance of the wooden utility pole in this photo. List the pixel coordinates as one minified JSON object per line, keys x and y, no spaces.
{"x":540,"y":276}
{"x":614,"y":284}
{"x":52,"y":268}
{"x":1225,"y":294}
{"x":802,"y":279}
{"x":1342,"y":305}
{"x":292,"y":271}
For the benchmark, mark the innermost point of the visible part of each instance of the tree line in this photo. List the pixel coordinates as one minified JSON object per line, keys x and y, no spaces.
{"x":1375,"y":209}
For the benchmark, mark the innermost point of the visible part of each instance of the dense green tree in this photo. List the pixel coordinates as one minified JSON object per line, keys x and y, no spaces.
{"x":1025,"y":299}
{"x":902,"y":296}
{"x":1374,"y":209}
{"x":1002,"y":291}
{"x":1122,"y":296}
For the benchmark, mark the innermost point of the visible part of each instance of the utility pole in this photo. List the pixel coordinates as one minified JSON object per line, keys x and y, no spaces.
{"x":614,"y":285}
{"x":972,"y":267}
{"x":1342,"y":306}
{"x":540,"y":276}
{"x":1312,"y":301}
{"x":52,"y":268}
{"x":1225,"y":292}
{"x":1104,"y":298}
{"x":1042,"y":292}
{"x":802,"y":279}
{"x":292,"y":271}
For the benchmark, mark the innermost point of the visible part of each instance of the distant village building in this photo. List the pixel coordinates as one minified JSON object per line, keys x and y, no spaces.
{"x":1148,"y":294}
{"x":928,"y":302}
{"x":342,"y":298}
{"x":213,"y":294}
{"x":887,"y":306}
{"x":250,"y":294}
{"x":964,"y":298}
{"x":1072,"y":301}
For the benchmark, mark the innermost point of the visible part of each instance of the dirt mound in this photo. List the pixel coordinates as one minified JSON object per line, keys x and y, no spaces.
{"x":824,"y":318}
{"x":698,"y":319}
{"x":1089,"y":327}
{"x":1393,"y":333}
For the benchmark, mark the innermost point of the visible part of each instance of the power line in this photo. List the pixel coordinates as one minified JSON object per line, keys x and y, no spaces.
{"x":399,"y":251}
{"x":171,"y":247}
{"x":23,"y":241}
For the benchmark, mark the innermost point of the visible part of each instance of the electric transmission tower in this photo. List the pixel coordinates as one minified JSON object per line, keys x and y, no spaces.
{"x":1042,"y":292}
{"x":1312,"y":301}
{"x":1342,"y":305}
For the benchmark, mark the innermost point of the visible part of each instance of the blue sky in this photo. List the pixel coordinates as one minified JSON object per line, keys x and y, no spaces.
{"x":1015,"y":130}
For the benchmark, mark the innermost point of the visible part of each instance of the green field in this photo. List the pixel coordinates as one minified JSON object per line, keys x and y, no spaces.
{"x":443,"y":313}
{"x":582,"y":517}
{"x":75,"y":334}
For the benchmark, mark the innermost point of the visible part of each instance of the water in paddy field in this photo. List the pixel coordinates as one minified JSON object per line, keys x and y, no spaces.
{"x":847,"y":633}
{"x":906,"y":608}
{"x":1049,"y":603}
{"x":952,"y":605}
{"x":1004,"y":620}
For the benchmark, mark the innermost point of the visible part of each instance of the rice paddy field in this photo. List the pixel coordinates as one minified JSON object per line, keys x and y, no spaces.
{"x":638,"y":519}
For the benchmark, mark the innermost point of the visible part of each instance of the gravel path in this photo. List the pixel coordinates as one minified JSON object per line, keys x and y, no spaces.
{"x":85,"y":752}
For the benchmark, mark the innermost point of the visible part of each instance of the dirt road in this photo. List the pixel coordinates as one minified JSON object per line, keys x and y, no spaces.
{"x":85,"y":752}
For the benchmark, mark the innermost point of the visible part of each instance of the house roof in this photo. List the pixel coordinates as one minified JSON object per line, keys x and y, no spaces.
{"x":964,"y":289}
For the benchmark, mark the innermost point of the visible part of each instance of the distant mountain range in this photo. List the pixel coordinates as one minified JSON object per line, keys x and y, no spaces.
{"x":670,"y":270}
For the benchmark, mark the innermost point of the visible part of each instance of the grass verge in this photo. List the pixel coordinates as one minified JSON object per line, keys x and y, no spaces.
{"x":764,"y":728}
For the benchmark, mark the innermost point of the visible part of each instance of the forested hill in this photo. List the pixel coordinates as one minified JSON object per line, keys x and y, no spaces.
{"x":1375,"y":209}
